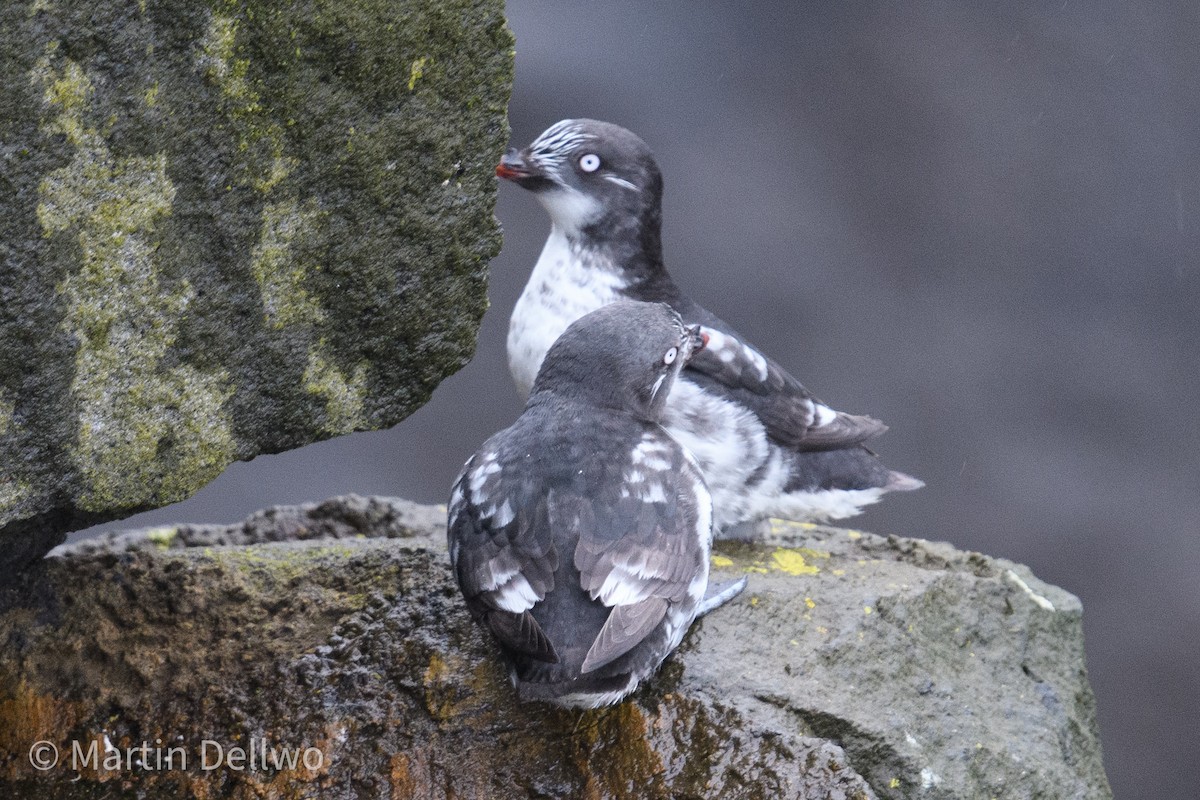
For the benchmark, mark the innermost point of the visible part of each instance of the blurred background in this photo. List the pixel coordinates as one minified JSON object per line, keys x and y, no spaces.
{"x":977,"y":221}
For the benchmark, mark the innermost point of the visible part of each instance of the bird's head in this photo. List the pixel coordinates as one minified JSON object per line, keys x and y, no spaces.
{"x":590,"y":176}
{"x":624,"y":356}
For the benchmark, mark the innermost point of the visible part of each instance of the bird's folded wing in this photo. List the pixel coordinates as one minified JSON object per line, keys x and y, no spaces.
{"x":639,"y":553}
{"x":503,"y":557}
{"x":790,"y":413}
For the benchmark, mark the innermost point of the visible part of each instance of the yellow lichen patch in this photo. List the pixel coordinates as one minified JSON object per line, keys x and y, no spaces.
{"x":792,"y":562}
{"x":162,"y":537}
{"x":868,"y":610}
{"x":13,"y":492}
{"x":280,"y":278}
{"x":721,"y":562}
{"x":147,"y":435}
{"x":219,"y":47}
{"x":854,"y":535}
{"x":808,"y":601}
{"x":282,"y":275}
{"x":7,"y":411}
{"x":416,"y":71}
{"x":343,"y":398}
{"x":782,"y":526}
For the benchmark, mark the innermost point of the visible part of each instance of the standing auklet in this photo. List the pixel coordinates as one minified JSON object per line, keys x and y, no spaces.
{"x":580,"y":535}
{"x":766,"y":446}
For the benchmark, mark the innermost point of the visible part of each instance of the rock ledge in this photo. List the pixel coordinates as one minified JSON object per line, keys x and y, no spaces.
{"x":854,"y":666}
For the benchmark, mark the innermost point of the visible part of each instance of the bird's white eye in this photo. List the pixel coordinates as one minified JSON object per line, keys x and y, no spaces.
{"x":589,"y":162}
{"x":669,"y":358}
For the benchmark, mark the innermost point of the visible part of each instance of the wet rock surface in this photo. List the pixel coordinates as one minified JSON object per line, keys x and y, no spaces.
{"x":854,"y":666}
{"x":229,"y":229}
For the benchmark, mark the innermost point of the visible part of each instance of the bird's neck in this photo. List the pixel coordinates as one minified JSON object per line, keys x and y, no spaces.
{"x":590,"y":400}
{"x":631,"y":245}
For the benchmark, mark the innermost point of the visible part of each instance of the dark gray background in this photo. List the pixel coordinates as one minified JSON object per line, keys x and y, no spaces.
{"x":977,"y":221}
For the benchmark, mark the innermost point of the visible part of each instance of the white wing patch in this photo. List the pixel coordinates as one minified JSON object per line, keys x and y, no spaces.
{"x":651,"y":456}
{"x":723,"y":347}
{"x":654,"y":494}
{"x":624,"y":587}
{"x":759,"y":362}
{"x":479,"y":477}
{"x":651,"y":453}
{"x":514,"y":593}
{"x":502,"y":516}
{"x":823,"y":414}
{"x":454,"y":507}
{"x":727,"y":349}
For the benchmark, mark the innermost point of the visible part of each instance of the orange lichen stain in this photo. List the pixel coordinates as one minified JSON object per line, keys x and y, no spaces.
{"x":623,"y":762}
{"x":406,"y":785}
{"x":401,"y":778}
{"x":315,"y":760}
{"x":457,"y":687}
{"x":27,"y":716}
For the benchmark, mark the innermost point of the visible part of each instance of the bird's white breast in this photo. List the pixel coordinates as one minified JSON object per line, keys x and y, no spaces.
{"x":566,"y":284}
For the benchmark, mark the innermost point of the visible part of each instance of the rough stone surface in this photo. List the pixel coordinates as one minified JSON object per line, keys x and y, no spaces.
{"x":230,"y":227}
{"x":853,"y":666}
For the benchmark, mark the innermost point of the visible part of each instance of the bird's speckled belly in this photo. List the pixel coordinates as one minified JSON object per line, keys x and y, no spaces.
{"x":565,"y":285}
{"x":729,"y":444}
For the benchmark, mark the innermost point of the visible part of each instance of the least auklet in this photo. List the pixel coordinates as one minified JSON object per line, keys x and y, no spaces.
{"x":580,"y":535}
{"x":766,"y":446}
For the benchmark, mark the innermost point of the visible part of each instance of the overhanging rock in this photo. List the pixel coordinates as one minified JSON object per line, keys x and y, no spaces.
{"x":230,"y":228}
{"x":854,"y":666}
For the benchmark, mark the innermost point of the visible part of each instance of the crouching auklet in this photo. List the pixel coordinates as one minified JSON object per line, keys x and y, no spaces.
{"x":580,"y":535}
{"x":766,"y":446}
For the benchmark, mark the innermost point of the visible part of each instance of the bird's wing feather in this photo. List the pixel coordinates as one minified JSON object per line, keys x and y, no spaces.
{"x":502,"y":554}
{"x":642,"y":549}
{"x":790,"y":413}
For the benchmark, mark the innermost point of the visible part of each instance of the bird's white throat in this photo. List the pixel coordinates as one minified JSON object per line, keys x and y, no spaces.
{"x":568,"y":281}
{"x":570,"y":209}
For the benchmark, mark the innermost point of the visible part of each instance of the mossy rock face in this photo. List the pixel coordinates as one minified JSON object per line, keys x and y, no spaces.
{"x":852,"y":666}
{"x":229,"y":228}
